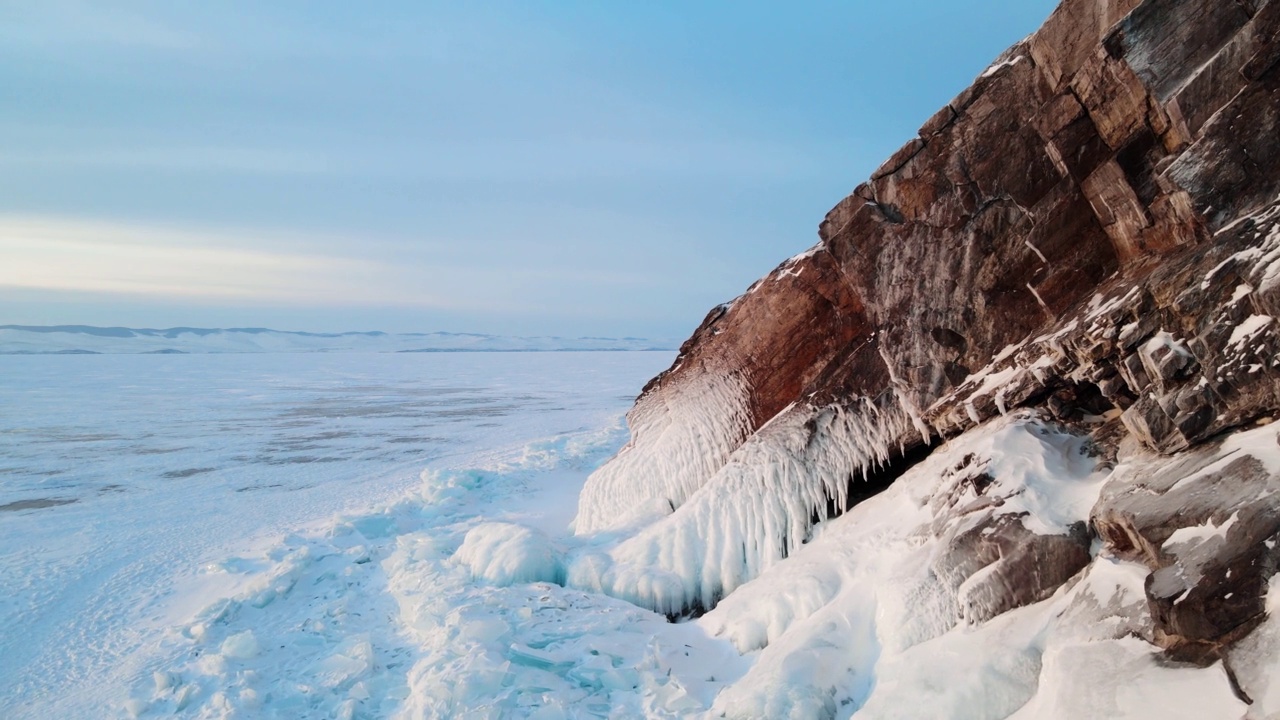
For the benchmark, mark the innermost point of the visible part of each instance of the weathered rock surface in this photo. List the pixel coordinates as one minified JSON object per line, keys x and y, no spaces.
{"x":1206,"y":522}
{"x":1092,"y":228}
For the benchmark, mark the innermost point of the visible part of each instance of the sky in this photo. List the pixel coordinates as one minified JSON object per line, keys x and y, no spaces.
{"x":521,"y":168}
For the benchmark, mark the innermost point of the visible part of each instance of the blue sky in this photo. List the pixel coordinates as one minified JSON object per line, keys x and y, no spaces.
{"x":573,"y":168}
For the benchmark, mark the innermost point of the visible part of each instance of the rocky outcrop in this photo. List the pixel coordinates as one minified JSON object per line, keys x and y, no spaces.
{"x":1101,"y":155}
{"x":1206,"y":522}
{"x":1093,"y":229}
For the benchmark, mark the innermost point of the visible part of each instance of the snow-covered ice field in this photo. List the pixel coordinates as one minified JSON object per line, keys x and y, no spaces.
{"x":389,"y":536}
{"x":256,"y":535}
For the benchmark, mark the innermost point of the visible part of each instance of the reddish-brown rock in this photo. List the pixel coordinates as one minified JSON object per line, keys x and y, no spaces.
{"x":1092,"y":228}
{"x":1104,"y":154}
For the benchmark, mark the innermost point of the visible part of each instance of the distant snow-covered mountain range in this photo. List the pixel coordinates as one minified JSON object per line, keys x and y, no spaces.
{"x":86,"y":339}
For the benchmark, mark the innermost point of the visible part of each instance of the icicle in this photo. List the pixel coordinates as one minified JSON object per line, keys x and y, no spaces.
{"x":752,"y":511}
{"x":674,"y":449}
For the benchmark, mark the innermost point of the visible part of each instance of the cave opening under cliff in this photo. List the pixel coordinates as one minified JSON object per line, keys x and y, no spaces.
{"x":861,"y":487}
{"x":875,"y":480}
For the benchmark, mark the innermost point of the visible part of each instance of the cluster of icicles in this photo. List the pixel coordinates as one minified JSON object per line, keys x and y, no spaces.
{"x":698,"y":511}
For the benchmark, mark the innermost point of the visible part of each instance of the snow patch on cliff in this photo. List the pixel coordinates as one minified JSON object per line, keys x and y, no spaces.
{"x":1253,"y":659}
{"x":1126,"y":678}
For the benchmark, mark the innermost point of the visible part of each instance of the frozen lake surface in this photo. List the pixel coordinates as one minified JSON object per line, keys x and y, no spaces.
{"x":369,"y":536}
{"x":136,"y":491}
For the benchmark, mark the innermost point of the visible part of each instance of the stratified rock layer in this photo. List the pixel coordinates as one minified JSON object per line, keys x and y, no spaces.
{"x":1092,"y":228}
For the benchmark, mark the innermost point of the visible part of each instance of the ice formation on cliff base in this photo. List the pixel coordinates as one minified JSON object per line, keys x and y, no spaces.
{"x":753,"y":512}
{"x":672,"y":452}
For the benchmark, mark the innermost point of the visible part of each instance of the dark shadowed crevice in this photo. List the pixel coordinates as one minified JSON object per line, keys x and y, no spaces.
{"x":860,"y":489}
{"x":1072,"y":401}
{"x":694,"y":611}
{"x":876,"y":480}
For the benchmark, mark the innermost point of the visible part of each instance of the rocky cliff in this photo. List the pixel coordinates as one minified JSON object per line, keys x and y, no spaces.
{"x":1090,"y":233}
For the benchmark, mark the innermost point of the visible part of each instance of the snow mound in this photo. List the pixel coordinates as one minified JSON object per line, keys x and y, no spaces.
{"x":1152,"y":686}
{"x":505,"y":554}
{"x":241,"y":646}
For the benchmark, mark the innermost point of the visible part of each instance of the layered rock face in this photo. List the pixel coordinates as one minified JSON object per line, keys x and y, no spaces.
{"x":1091,"y":230}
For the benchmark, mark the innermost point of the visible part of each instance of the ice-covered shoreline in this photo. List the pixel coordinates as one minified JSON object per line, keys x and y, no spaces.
{"x":380,"y":614}
{"x":462,"y":590}
{"x":88,"y":588}
{"x":468,"y":596}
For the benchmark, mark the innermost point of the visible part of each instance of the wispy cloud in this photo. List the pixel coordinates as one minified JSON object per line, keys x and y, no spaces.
{"x":233,"y":160}
{"x":555,"y":160}
{"x":96,"y":257}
